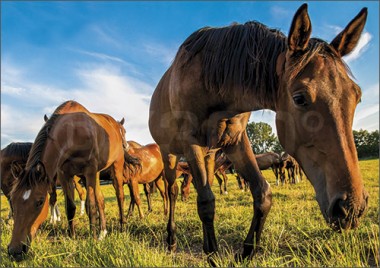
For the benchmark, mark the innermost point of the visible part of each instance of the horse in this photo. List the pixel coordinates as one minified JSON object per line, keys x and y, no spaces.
{"x":151,"y":170}
{"x":14,"y":157}
{"x":73,"y":141}
{"x":264,"y":161}
{"x":219,"y":75}
{"x":222,"y":164}
{"x":16,"y":153}
{"x":292,"y":167}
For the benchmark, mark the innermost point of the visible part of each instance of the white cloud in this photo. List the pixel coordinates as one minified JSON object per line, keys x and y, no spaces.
{"x":164,"y":54}
{"x":360,"y":48}
{"x":103,"y":90}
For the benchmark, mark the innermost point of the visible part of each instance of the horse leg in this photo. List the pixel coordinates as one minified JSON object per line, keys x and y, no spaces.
{"x":53,"y":204}
{"x":225,"y":179}
{"x":148,"y":196}
{"x":220,"y":182}
{"x":244,"y":160}
{"x":91,"y":208}
{"x":132,"y":202}
{"x":210,"y":166}
{"x":205,"y":198}
{"x":170,"y":165}
{"x":136,"y":196}
{"x":160,"y":183}
{"x":99,"y":198}
{"x":118,"y":179}
{"x":68,"y":189}
{"x":81,"y":192}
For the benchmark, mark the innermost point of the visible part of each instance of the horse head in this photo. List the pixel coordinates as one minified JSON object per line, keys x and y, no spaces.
{"x":315,"y":110}
{"x":30,"y":206}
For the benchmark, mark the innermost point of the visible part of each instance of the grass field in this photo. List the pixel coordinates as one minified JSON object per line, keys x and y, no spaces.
{"x":295,"y":233}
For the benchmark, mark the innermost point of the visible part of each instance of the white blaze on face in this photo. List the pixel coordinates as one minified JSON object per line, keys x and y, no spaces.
{"x":27,"y":194}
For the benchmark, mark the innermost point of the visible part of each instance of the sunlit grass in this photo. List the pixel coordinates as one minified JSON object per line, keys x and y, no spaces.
{"x":295,"y":233}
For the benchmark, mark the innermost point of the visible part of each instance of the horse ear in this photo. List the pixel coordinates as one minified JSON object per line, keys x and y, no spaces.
{"x":300,"y":30}
{"x":122,"y":121}
{"x":40,"y":168}
{"x":46,"y":118}
{"x":17,"y":168}
{"x":347,"y":39}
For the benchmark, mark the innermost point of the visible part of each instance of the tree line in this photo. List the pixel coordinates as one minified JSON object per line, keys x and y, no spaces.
{"x":264,"y":140}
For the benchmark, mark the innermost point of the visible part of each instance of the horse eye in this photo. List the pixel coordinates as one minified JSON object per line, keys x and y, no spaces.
{"x":39,"y":203}
{"x":299,"y":100}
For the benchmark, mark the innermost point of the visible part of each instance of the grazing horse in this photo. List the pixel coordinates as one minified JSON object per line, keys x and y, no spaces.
{"x":219,"y":75}
{"x":16,"y":153}
{"x":294,"y":170}
{"x":151,"y":170}
{"x":72,"y":142}
{"x":264,"y":161}
{"x":222,"y":164}
{"x":13,"y":159}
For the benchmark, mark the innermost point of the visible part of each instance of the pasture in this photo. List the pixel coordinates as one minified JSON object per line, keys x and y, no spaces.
{"x":295,"y":233}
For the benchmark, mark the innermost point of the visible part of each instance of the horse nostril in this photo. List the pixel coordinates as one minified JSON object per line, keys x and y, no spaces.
{"x":338,"y":210}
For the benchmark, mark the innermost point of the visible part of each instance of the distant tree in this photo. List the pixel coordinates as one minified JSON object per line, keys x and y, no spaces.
{"x":261,"y":137}
{"x":367,"y":143}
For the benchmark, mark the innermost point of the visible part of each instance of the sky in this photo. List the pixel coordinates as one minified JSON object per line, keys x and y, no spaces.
{"x":109,"y":56}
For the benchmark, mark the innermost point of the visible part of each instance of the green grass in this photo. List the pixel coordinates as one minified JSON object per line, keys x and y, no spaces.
{"x":295,"y":233}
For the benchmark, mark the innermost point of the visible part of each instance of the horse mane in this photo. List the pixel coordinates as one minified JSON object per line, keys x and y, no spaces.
{"x":315,"y":46}
{"x":239,"y":56}
{"x":20,"y":149}
{"x":243,"y":58}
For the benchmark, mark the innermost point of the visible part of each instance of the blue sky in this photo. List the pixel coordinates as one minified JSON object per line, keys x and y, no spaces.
{"x":110,"y":56}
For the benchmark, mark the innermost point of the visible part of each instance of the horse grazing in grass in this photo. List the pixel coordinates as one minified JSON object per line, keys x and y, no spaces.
{"x":16,"y":154}
{"x":293,"y":169}
{"x":151,"y":170}
{"x":219,"y":75}
{"x":72,"y":142}
{"x":13,"y":159}
{"x":222,"y":164}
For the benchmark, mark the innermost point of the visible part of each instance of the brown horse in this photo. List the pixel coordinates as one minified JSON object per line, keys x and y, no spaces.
{"x":264,"y":161}
{"x":72,"y":142}
{"x":151,"y":170}
{"x":248,"y":67}
{"x":222,"y":164}
{"x":293,"y":169}
{"x":13,"y":159}
{"x":15,"y":153}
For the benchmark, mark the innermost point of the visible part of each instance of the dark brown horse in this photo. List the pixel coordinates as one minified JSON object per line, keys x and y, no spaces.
{"x":219,"y":75}
{"x":151,"y":170}
{"x":72,"y":142}
{"x":16,"y":153}
{"x":292,"y":167}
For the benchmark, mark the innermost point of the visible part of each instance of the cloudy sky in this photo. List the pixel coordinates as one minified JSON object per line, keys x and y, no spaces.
{"x":110,"y":56}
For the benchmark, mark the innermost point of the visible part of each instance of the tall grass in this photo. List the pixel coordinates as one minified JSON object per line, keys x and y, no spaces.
{"x":295,"y":233}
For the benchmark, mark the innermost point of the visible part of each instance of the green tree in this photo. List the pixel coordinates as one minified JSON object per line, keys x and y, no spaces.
{"x":261,"y":137}
{"x":367,"y":143}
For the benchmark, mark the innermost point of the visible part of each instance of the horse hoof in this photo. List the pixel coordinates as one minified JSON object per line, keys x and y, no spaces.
{"x":226,"y":193}
{"x":102,"y":235}
{"x":172,"y":248}
{"x":211,"y":260}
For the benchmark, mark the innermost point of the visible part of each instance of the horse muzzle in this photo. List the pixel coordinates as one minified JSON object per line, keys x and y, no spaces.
{"x":344,"y":212}
{"x":19,"y":252}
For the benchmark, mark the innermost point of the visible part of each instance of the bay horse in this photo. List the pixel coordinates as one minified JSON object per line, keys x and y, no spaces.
{"x":13,"y":159}
{"x":151,"y":170}
{"x":293,"y":169}
{"x":72,"y":142}
{"x":219,"y":75}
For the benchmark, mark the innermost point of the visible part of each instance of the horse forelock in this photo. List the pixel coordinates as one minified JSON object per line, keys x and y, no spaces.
{"x":315,"y":47}
{"x":240,"y":57}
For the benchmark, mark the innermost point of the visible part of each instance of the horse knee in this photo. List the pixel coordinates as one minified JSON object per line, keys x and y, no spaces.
{"x":206,"y":209}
